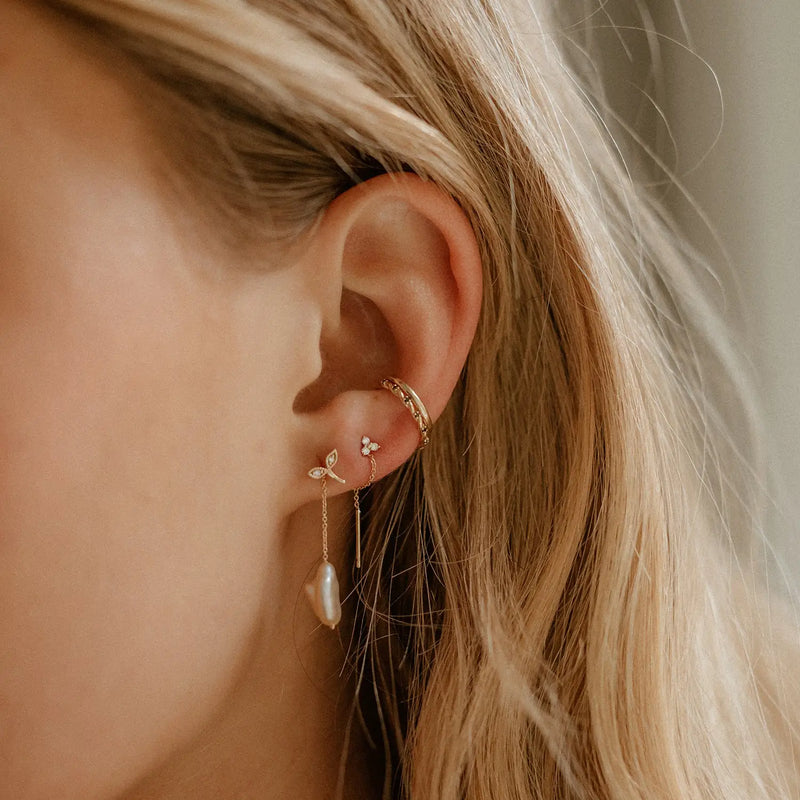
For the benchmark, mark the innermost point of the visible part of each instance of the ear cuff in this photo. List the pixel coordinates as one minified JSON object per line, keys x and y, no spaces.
{"x":415,"y":406}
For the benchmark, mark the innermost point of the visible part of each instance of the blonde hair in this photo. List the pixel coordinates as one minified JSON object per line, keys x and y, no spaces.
{"x":552,"y":606}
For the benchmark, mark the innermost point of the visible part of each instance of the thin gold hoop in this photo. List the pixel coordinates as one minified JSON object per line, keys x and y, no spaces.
{"x":416,"y":407}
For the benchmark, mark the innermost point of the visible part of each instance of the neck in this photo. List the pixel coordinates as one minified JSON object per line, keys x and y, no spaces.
{"x":286,"y":724}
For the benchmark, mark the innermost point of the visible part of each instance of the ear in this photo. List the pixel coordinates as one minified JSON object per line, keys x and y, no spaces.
{"x":395,"y":272}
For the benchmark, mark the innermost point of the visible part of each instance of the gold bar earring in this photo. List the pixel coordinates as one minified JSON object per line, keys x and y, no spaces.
{"x":368,"y":448}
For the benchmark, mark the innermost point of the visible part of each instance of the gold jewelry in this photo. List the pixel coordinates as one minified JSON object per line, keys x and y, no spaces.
{"x":416,"y":407}
{"x":367,"y":449}
{"x":323,"y":590}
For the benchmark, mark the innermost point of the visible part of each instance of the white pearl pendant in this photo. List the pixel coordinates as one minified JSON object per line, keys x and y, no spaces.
{"x":323,"y":594}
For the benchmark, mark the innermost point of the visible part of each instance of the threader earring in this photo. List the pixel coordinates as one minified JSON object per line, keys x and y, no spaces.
{"x":323,"y":590}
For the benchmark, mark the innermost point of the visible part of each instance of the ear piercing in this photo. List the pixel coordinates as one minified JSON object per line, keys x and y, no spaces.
{"x":323,"y":589}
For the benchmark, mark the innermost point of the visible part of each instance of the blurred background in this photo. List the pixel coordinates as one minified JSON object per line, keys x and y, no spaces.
{"x":712,"y":88}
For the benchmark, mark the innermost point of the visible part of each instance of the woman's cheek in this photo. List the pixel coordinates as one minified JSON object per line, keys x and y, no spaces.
{"x":125,"y":604}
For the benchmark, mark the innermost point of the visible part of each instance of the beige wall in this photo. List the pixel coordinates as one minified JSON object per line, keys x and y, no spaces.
{"x":750,"y":188}
{"x":748,"y":182}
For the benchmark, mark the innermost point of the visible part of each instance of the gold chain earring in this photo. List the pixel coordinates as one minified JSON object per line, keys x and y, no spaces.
{"x":323,"y":590}
{"x":368,"y":449}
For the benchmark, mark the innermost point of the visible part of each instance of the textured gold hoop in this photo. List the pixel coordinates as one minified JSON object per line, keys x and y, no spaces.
{"x":416,"y":407}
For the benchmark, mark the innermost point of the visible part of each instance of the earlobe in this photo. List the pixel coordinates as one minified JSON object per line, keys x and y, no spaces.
{"x":397,"y":271}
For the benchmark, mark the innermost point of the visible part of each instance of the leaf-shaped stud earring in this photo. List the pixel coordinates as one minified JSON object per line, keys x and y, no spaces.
{"x":323,"y":594}
{"x":330,"y":463}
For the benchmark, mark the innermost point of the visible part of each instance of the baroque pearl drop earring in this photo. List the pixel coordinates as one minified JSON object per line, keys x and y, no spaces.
{"x":323,"y":590}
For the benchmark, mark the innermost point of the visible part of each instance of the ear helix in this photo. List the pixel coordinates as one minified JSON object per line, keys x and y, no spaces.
{"x":323,"y":589}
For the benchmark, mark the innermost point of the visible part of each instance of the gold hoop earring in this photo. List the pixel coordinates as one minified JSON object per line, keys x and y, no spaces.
{"x":415,"y":406}
{"x":368,"y":449}
{"x":323,"y":590}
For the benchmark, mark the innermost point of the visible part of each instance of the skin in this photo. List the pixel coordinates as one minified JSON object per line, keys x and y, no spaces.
{"x":156,"y":521}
